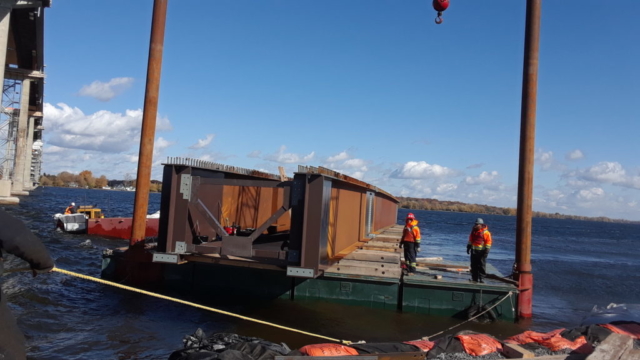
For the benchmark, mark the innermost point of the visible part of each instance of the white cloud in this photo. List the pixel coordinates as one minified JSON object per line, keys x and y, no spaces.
{"x":355,"y":164}
{"x":544,"y":159}
{"x":442,"y":188}
{"x":103,"y":130}
{"x":416,"y":188}
{"x":589,"y":194}
{"x":289,"y":158}
{"x":575,"y":155}
{"x":422,"y":170}
{"x":254,"y":154}
{"x":343,"y":163}
{"x":202,"y":142}
{"x":610,"y":173}
{"x":106,"y":91}
{"x":484,"y":178}
{"x":339,"y":157}
{"x":159,"y":146}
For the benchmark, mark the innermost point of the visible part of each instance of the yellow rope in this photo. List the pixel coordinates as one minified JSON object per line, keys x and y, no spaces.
{"x":81,"y":276}
{"x":473,"y":318}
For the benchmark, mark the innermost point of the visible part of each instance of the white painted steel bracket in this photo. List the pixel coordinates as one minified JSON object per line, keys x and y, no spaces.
{"x":181,"y":247}
{"x":185,"y":186}
{"x":166,"y":258}
{"x":300,"y":272}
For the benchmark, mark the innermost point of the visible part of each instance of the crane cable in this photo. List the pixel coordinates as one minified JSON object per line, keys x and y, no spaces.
{"x":125,"y":287}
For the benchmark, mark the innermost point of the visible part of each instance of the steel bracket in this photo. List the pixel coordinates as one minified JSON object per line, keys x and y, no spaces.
{"x":181,"y":247}
{"x":166,"y":258}
{"x":300,"y":272}
{"x":185,"y":186}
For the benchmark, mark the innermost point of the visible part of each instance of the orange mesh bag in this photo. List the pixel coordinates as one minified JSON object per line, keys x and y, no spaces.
{"x":479,"y":344}
{"x":532,"y":336}
{"x":631,"y":329}
{"x":424,"y":345}
{"x":328,"y":350}
{"x":557,"y":343}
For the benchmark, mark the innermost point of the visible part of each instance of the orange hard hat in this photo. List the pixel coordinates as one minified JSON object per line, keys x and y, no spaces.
{"x":410,"y":216}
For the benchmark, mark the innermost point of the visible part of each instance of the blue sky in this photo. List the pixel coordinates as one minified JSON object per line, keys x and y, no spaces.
{"x":370,"y":88}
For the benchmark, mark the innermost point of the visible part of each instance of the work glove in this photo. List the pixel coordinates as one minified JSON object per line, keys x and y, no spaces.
{"x":401,"y":244}
{"x":418,"y":249}
{"x":468,"y":249}
{"x":486,"y":252}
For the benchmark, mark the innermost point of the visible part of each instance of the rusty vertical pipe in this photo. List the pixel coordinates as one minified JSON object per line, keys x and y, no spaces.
{"x":525,"y":173}
{"x":145,"y":158}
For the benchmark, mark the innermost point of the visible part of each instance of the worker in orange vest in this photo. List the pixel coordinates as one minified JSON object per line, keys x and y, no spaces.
{"x":410,"y":242}
{"x":478,"y":246}
{"x":71,"y":209}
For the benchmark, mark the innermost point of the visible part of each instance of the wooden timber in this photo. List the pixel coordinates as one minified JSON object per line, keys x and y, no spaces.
{"x":614,"y":347}
{"x":364,"y":262}
{"x":372,"y":255}
{"x":382,"y":248}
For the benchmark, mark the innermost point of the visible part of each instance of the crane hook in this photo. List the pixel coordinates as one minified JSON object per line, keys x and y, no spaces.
{"x":440,"y":6}
{"x":439,"y":19}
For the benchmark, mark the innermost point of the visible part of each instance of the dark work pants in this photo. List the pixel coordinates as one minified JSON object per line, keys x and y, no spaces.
{"x":410,"y":254}
{"x":478,"y":265}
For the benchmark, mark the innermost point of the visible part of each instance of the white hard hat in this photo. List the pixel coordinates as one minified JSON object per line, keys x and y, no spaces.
{"x":73,"y":204}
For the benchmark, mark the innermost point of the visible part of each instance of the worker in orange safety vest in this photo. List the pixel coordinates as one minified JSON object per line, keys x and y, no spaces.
{"x":411,"y":243}
{"x":71,"y":209}
{"x":478,"y":246}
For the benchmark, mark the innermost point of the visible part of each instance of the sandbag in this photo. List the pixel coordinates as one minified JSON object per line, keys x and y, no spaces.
{"x":226,"y":346}
{"x":423,"y":345}
{"x":479,"y":344}
{"x":552,"y":340}
{"x":255,"y":351}
{"x":629,"y":328}
{"x":328,"y":349}
{"x":446,"y":345}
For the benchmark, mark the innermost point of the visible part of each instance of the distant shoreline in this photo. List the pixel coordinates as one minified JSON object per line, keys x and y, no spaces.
{"x":456,"y":206}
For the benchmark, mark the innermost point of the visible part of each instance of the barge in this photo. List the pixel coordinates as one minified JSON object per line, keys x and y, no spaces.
{"x":320,"y":235}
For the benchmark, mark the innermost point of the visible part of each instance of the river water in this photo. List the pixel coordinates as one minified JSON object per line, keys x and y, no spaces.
{"x":576,"y":264}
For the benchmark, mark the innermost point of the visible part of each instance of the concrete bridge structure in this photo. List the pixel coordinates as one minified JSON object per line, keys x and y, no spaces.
{"x":21,"y":111}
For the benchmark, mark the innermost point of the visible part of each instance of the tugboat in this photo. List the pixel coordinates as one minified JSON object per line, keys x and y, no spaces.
{"x":77,"y":223}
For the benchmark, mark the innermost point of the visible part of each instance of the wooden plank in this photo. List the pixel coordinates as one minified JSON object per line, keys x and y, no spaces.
{"x":356,"y":270}
{"x":382,"y":244}
{"x":372,"y":255}
{"x":368,"y":264}
{"x":516,"y":351}
{"x":378,"y":248}
{"x":612,"y":348}
{"x":440,"y":265}
{"x":387,"y":239}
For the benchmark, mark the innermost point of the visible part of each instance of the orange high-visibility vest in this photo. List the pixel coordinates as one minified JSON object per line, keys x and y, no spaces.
{"x":480,"y":239}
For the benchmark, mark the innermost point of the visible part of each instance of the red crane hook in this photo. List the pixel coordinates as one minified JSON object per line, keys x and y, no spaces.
{"x":440,"y":6}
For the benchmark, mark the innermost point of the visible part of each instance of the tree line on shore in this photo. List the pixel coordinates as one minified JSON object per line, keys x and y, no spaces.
{"x":85,"y":179}
{"x":456,"y":206}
